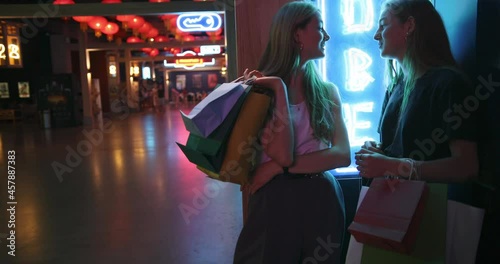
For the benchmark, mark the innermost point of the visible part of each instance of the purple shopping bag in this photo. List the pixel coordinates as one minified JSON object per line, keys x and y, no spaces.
{"x":208,"y":114}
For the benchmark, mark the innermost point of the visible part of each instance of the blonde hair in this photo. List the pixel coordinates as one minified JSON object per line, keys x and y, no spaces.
{"x":282,"y":58}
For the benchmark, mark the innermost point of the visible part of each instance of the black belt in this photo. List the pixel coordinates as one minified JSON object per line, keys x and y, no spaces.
{"x":293,"y":176}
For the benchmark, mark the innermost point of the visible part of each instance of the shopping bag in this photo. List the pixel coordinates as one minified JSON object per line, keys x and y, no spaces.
{"x":430,"y":244}
{"x":208,"y":152}
{"x":240,"y":157}
{"x":390,"y":215}
{"x":463,"y":232}
{"x":208,"y":114}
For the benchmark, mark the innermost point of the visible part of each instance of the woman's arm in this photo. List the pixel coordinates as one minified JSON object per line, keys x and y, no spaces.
{"x":277,"y":135}
{"x":338,"y":155}
{"x":461,"y":166}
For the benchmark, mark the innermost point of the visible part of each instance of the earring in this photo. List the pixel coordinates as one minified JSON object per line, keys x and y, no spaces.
{"x":301,"y":46}
{"x":407,"y":34}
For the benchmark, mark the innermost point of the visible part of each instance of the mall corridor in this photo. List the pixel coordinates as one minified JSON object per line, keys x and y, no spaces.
{"x":130,"y":197}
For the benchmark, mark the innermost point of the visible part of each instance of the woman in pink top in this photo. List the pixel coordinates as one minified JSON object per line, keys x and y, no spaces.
{"x":296,"y":212}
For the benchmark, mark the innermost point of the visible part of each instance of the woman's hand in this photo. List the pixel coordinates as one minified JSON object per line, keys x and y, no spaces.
{"x":373,"y":164}
{"x":248,"y":75}
{"x":373,"y":146}
{"x":262,"y":175}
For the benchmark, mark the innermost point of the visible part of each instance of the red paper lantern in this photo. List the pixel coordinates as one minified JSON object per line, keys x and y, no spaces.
{"x":188,"y":38}
{"x":124,"y":18}
{"x":135,"y":22}
{"x":154,"y":52}
{"x":152,"y":33}
{"x":83,"y":21}
{"x":145,"y":28}
{"x":160,"y":38}
{"x":97,"y":24}
{"x":147,"y":50}
{"x":134,"y":39}
{"x":110,"y":29}
{"x":64,"y":2}
{"x":111,"y":1}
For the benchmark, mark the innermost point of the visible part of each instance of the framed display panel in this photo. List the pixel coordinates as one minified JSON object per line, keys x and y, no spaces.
{"x":4,"y":90}
{"x":24,"y":89}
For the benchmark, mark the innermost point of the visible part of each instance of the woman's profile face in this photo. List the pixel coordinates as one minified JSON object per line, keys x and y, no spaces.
{"x":391,"y":36}
{"x":313,"y":38}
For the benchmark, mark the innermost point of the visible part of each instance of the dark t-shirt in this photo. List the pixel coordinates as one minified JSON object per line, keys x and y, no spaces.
{"x":441,"y":107}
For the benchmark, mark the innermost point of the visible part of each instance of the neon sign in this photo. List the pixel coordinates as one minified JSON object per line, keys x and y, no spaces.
{"x":365,"y":15}
{"x":199,"y":21}
{"x":189,"y":63}
{"x":360,"y":74}
{"x":354,"y":123}
{"x":357,"y":63}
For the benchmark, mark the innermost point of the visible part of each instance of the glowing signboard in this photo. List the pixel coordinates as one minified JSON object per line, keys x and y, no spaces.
{"x":189,"y":63}
{"x":199,"y":21}
{"x":209,"y":49}
{"x":353,"y":63}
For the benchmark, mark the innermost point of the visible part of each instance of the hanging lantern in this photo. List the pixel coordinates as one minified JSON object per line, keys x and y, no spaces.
{"x":215,"y":35}
{"x":64,"y":2}
{"x":154,"y":52}
{"x":160,"y":38}
{"x":152,"y":33}
{"x":110,"y":29}
{"x":97,"y":24}
{"x":111,"y":1}
{"x":135,"y":23}
{"x":133,"y":39}
{"x":147,"y":50}
{"x":83,"y":20}
{"x":145,"y":28}
{"x":124,"y":19}
{"x":188,"y":38}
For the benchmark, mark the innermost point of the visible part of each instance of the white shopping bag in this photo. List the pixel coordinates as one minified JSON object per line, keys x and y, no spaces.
{"x":463,"y":232}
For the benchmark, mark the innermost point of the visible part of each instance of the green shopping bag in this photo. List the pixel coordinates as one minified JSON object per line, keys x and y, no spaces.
{"x":208,"y":152}
{"x":430,"y":245}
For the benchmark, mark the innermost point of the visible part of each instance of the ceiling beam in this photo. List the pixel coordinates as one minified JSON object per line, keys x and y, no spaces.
{"x":43,"y":11}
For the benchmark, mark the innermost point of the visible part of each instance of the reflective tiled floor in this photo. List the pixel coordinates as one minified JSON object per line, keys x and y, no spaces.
{"x":125,"y":195}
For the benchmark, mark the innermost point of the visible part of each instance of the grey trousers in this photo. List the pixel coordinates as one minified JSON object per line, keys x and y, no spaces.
{"x":294,"y":221}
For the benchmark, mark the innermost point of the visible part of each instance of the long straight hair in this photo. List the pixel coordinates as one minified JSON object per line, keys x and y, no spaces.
{"x":282,"y":58}
{"x":427,"y":47}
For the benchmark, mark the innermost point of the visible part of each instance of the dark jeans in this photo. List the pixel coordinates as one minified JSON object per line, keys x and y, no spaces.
{"x":291,"y":221}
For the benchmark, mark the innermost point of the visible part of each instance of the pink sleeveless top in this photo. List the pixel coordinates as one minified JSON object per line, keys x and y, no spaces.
{"x":304,"y":139}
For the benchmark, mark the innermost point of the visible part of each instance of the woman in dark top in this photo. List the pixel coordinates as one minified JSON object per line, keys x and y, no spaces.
{"x":428,"y":124}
